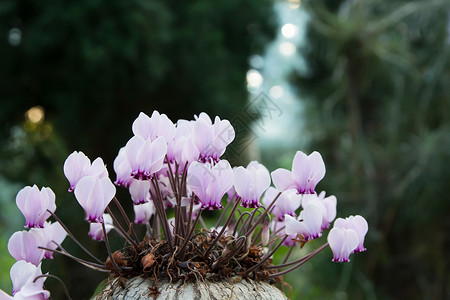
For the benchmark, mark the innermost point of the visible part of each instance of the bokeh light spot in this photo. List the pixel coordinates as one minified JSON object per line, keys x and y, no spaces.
{"x":276,"y":92}
{"x":287,"y":48}
{"x":35,"y":114}
{"x":254,"y":78}
{"x":289,"y":30}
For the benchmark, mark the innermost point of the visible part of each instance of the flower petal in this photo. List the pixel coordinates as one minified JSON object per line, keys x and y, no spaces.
{"x":282,"y":179}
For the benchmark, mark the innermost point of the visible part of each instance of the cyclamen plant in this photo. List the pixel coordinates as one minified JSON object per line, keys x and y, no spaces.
{"x":176,"y":169}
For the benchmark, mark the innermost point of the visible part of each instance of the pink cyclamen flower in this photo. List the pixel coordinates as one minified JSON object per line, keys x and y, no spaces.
{"x":96,"y":229}
{"x":327,"y":205}
{"x":286,"y":204}
{"x":184,"y":151}
{"x":143,"y":212}
{"x":153,"y":127}
{"x":307,"y":171}
{"x":308,"y":224}
{"x":182,"y":148}
{"x":34,"y":204}
{"x":139,"y":191}
{"x":342,"y":242}
{"x":22,"y":276}
{"x":53,"y":233}
{"x":94,"y":195}
{"x":359,"y":225}
{"x":78,"y":165}
{"x":210,"y":183}
{"x":23,"y":245}
{"x":250,"y":183}
{"x":145,"y":156}
{"x":279,"y":228}
{"x":123,"y":169}
{"x":211,"y":139}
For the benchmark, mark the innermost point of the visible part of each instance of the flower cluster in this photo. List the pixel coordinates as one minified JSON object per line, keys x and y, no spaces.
{"x":173,"y":172}
{"x":30,"y":247}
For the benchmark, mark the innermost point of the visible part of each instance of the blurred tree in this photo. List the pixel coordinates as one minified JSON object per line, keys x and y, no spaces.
{"x":377,"y":101}
{"x":93,"y":66}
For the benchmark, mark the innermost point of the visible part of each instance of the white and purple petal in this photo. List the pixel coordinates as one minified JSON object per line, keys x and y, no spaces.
{"x":23,"y":245}
{"x":34,"y":205}
{"x":342,"y":242}
{"x":94,"y":194}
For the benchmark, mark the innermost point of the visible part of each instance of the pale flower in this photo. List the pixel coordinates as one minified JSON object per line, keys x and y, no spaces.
{"x":307,"y":171}
{"x":94,"y":195}
{"x":250,"y":183}
{"x":34,"y":205}
{"x":210,"y":183}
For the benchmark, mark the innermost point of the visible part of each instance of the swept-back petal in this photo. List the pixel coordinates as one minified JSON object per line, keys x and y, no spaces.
{"x":133,"y":147}
{"x":108,"y":191}
{"x":23,"y":273}
{"x":262,"y":181}
{"x":283,"y":180}
{"x":312,"y":217}
{"x":293,"y":226}
{"x":342,"y":242}
{"x":140,"y":191}
{"x":301,"y":170}
{"x":74,"y":167}
{"x":141,"y":126}
{"x":23,"y":245}
{"x":224,"y":175}
{"x":198,"y":178}
{"x":98,"y":168}
{"x":53,"y":232}
{"x":242,"y":181}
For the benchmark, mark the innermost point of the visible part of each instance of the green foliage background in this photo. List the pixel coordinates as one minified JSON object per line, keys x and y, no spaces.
{"x":376,"y":107}
{"x":93,"y":66}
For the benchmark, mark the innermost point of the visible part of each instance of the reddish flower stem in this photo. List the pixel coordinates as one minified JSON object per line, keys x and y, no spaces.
{"x":189,"y":236}
{"x":223,"y":228}
{"x":300,"y":262}
{"x":162,"y":215}
{"x":73,"y":237}
{"x":122,"y":231}
{"x":105,"y":239}
{"x":267,"y":256}
{"x":91,"y":265}
{"x":262,"y":216}
{"x":125,"y":217}
{"x":58,"y":279}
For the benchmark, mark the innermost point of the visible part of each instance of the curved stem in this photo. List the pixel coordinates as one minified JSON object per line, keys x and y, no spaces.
{"x":158,"y":201}
{"x":125,"y":216}
{"x":189,"y":236}
{"x":191,"y":207}
{"x":91,"y":265}
{"x":122,"y":231}
{"x":57,"y":278}
{"x":253,"y":216}
{"x":223,"y":228}
{"x":73,"y":237}
{"x":300,"y":262}
{"x":238,"y":221}
{"x":268,"y":255}
{"x":105,"y":239}
{"x":223,"y":214}
{"x":288,"y":254}
{"x":262,"y":216}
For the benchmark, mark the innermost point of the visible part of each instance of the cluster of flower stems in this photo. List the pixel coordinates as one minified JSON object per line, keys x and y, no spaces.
{"x":257,"y":220}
